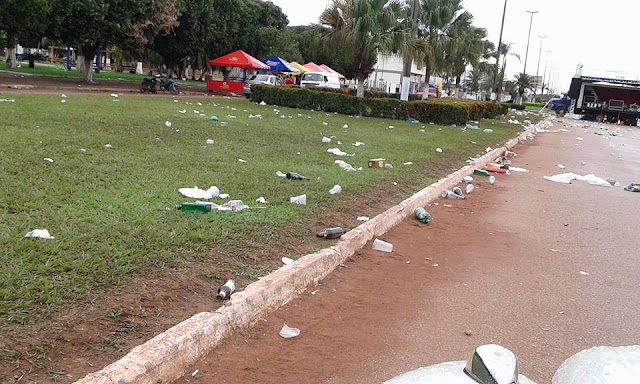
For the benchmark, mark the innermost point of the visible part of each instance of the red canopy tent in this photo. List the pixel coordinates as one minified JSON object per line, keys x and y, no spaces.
{"x":329,"y":69}
{"x":237,"y":59}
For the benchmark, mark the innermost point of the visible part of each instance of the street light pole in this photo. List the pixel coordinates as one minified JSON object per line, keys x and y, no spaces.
{"x":544,"y":74}
{"x":526,"y":55}
{"x":538,"y":67}
{"x":495,"y":75}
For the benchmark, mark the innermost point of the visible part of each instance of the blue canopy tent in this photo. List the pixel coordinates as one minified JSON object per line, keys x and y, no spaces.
{"x":277,"y":64}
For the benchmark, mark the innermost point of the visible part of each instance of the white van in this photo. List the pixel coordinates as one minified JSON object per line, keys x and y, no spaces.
{"x":320,"y":79}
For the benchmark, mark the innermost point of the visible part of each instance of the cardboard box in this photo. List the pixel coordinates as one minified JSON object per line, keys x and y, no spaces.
{"x":377,"y":163}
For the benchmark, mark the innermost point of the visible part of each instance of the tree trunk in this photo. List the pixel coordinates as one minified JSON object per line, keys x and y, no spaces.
{"x":427,"y":76}
{"x":84,"y":62}
{"x":406,"y":79}
{"x":360,"y":92}
{"x":87,"y":72}
{"x":457,"y":92}
{"x":11,"y":50}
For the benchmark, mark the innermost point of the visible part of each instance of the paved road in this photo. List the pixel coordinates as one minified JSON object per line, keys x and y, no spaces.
{"x":503,"y":265}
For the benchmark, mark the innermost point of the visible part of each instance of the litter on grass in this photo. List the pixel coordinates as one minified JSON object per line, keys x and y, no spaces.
{"x":289,"y":332}
{"x":336,"y":189}
{"x":566,"y":178}
{"x":345,"y":166}
{"x":168,"y":124}
{"x":197,"y":193}
{"x":50,"y":160}
{"x":40,"y":234}
{"x":338,"y":152}
{"x":230,"y":206}
{"x":358,"y":144}
{"x":287,"y":260}
{"x":298,"y":200}
{"x":261,"y":200}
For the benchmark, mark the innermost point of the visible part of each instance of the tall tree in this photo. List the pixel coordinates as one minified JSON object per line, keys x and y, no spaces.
{"x":523,"y":81}
{"x":437,"y":17}
{"x":312,"y":48}
{"x":467,"y":47}
{"x":22,"y":19}
{"x":89,"y":24}
{"x":367,"y":27}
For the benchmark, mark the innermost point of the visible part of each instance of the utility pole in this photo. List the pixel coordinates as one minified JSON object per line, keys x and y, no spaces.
{"x":544,"y":74}
{"x":407,"y":61}
{"x":538,"y":67}
{"x":526,"y":55}
{"x":495,"y":75}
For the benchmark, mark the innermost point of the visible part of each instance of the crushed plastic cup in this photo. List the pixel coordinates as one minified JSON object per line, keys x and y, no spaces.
{"x":210,"y":142}
{"x":439,"y":150}
{"x":336,"y":189}
{"x":383,"y":246}
{"x":470,"y":188}
{"x":468,"y":179}
{"x":458,"y":192}
{"x":299,"y":200}
{"x":289,"y":332}
{"x":492,"y":180}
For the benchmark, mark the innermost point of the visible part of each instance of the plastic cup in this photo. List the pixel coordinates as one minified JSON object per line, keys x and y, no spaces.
{"x":300,"y":200}
{"x":383,"y":246}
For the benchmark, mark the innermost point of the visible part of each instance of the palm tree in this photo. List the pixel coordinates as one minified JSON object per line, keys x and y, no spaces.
{"x":466,"y":47}
{"x":472,"y":82}
{"x":523,"y":81}
{"x":365,"y":27}
{"x":436,"y":18}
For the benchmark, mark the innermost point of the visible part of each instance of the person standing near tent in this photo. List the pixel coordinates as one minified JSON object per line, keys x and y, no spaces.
{"x":289,"y":81}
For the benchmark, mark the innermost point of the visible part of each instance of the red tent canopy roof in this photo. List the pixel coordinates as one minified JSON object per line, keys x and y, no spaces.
{"x":238,"y":59}
{"x":329,"y":69}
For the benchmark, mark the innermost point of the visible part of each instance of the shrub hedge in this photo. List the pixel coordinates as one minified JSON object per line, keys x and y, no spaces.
{"x":439,"y":111}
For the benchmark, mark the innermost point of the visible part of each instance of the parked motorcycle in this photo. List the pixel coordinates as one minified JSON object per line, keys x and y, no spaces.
{"x":494,"y":364}
{"x":157,"y":83}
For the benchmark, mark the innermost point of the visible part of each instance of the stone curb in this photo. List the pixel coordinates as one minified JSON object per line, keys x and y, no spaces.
{"x":165,"y":357}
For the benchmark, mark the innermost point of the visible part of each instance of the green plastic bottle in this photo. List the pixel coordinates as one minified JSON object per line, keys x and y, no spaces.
{"x":194,"y":207}
{"x":423,"y":215}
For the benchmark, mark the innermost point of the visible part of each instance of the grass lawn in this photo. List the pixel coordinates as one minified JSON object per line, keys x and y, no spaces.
{"x":53,"y":70}
{"x":112,"y":210}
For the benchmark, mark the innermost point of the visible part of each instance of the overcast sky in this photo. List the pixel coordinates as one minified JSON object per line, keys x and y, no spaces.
{"x":601,"y":35}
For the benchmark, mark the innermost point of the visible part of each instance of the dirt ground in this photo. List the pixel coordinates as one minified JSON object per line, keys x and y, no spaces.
{"x":545,"y":269}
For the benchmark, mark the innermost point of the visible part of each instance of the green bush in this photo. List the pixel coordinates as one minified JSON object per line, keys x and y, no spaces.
{"x":517,"y":107}
{"x":438,"y":111}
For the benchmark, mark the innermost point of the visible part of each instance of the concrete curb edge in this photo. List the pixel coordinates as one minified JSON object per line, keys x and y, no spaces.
{"x":165,"y":357}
